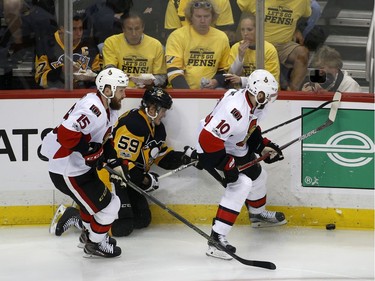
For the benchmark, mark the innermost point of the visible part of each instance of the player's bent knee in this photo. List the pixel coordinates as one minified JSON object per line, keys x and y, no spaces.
{"x":122,"y":227}
{"x":108,"y":214}
{"x":142,"y":219}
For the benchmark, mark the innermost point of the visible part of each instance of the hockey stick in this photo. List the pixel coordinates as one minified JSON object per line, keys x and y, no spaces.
{"x":298,"y":117}
{"x":331,"y":118}
{"x":182,"y":167}
{"x":262,"y":264}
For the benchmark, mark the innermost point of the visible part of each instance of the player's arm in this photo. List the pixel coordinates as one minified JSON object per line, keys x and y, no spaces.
{"x":74,"y":134}
{"x":212,"y":141}
{"x":215,"y":156}
{"x":260,"y":145}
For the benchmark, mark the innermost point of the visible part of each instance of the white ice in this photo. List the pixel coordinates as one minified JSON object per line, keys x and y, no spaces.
{"x":177,"y":252}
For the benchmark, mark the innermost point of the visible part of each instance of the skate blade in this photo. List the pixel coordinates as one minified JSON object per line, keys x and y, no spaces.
{"x":215,"y":253}
{"x":60,"y":210}
{"x":94,"y":256}
{"x":262,"y":224}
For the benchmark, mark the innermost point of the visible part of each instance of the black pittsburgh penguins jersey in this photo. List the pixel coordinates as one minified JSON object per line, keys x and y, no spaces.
{"x":136,"y":140}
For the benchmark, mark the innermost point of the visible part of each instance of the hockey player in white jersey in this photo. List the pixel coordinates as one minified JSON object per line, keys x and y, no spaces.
{"x":230,"y":136}
{"x":77,"y":146}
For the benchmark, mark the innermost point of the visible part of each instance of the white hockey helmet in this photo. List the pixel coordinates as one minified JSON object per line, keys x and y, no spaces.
{"x":113,"y":77}
{"x":262,"y":80}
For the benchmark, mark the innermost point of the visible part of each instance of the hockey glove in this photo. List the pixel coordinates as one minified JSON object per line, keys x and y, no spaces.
{"x":120,"y":166}
{"x":150,"y":182}
{"x":190,"y":155}
{"x":228,"y":166}
{"x":94,"y":155}
{"x":274,"y":150}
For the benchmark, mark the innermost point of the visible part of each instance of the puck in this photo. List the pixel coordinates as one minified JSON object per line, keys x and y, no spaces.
{"x":330,"y":226}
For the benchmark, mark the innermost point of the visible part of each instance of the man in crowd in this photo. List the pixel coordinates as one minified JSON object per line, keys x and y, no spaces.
{"x":197,"y":54}
{"x":135,"y":53}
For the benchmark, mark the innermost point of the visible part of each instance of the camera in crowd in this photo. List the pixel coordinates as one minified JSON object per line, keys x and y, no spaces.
{"x":317,"y":76}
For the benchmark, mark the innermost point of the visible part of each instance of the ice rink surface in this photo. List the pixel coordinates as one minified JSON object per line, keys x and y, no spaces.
{"x":176,"y":252}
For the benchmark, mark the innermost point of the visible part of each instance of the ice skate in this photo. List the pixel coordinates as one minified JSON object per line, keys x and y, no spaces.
{"x":217,"y":253}
{"x":267,"y":219}
{"x":102,"y":249}
{"x":84,"y":237}
{"x":69,"y":218}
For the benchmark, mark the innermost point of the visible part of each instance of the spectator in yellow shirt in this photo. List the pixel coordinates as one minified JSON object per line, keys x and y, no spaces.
{"x":242,"y":59}
{"x":280,"y":22}
{"x":136,"y":53}
{"x":197,"y":54}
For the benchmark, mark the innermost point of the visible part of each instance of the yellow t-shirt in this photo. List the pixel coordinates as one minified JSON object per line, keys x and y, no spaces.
{"x":175,"y":13}
{"x":280,"y":17}
{"x":271,"y":60}
{"x":146,"y":57}
{"x":196,"y":55}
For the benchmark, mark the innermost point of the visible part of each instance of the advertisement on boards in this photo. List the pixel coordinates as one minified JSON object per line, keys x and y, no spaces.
{"x":342,"y":155}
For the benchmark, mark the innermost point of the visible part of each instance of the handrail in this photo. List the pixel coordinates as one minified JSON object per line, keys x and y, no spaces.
{"x":370,"y":55}
{"x":182,"y":94}
{"x":259,"y":44}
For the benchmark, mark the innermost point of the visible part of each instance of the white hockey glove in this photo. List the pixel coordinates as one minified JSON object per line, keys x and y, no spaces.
{"x":275,"y":152}
{"x":150,"y":182}
{"x":120,"y":166}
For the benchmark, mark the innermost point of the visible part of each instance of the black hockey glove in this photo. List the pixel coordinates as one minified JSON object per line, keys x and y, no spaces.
{"x":94,"y":155}
{"x":150,"y":182}
{"x":228,"y":166}
{"x":120,"y":166}
{"x":274,"y":150}
{"x":190,"y":155}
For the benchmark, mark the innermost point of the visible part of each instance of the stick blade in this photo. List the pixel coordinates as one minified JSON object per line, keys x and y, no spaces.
{"x":335,"y":106}
{"x":261,"y":264}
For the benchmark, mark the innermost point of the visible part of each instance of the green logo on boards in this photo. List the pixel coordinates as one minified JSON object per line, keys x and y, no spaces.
{"x":341,"y":155}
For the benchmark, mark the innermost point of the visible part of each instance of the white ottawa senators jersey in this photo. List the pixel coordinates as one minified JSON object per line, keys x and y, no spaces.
{"x":87,"y":117}
{"x":232,"y":121}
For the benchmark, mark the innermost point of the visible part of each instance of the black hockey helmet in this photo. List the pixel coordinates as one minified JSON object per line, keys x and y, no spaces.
{"x":158,"y":97}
